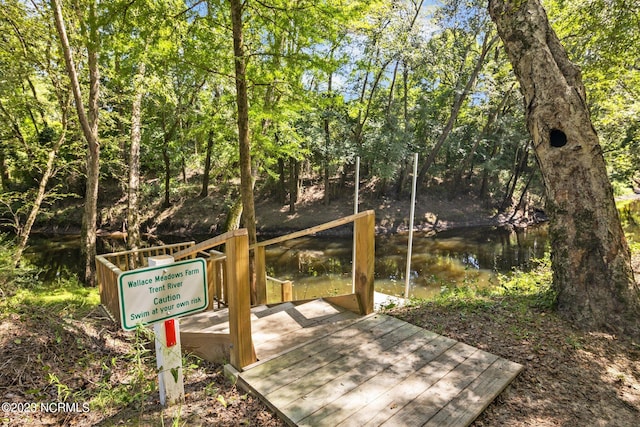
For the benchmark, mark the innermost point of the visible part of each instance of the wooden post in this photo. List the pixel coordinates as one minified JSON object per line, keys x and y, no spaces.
{"x":261,"y":274}
{"x":364,"y":229}
{"x":211,"y":279}
{"x":242,"y":352}
{"x":218,"y":281}
{"x":168,"y":352}
{"x":287,"y":290}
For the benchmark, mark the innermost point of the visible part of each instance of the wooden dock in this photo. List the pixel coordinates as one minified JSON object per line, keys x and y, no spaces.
{"x":320,"y":365}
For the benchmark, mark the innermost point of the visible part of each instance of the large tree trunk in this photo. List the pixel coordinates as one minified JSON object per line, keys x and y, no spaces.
{"x":246,"y":177}
{"x":89,"y":126}
{"x":590,"y":257}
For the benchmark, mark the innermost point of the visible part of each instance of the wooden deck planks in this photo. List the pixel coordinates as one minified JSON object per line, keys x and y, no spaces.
{"x":378,"y":370}
{"x":375,"y":388}
{"x":331,"y":380}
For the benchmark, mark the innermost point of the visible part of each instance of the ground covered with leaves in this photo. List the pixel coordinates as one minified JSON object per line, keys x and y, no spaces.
{"x":570,"y":377}
{"x":64,"y":362}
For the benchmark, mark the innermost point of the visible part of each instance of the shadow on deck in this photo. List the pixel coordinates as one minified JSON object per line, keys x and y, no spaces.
{"x":320,"y":365}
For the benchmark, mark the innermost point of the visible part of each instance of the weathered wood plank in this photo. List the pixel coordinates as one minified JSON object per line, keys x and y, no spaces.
{"x":242,"y":352}
{"x":314,"y":312}
{"x":355,"y":371}
{"x":364,"y":230}
{"x":361,"y":360}
{"x":474,"y":399}
{"x":429,"y":402}
{"x":377,"y":323}
{"x":212,"y":347}
{"x":396,"y":397}
{"x":314,"y":230}
{"x":349,"y":301}
{"x":306,"y":366}
{"x":406,"y":364}
{"x":375,"y":370}
{"x":269,"y":349}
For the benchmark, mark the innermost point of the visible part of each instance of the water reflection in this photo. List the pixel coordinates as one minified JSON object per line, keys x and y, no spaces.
{"x":468,"y":256}
{"x":320,"y":266}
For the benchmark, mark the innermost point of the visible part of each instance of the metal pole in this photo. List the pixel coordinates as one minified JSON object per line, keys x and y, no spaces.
{"x":407,"y":275}
{"x":355,"y":211}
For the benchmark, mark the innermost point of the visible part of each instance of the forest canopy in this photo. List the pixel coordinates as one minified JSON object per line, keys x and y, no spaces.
{"x":327,"y":81}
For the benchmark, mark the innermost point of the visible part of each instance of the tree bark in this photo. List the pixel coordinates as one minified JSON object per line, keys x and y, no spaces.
{"x":592,"y":272}
{"x":25,"y":231}
{"x":246,"y":177}
{"x":89,"y":126}
{"x":4,"y":170}
{"x":207,"y":166}
{"x":133,"y":217}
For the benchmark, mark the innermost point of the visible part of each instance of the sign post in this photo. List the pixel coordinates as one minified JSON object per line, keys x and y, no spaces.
{"x":159,"y":295}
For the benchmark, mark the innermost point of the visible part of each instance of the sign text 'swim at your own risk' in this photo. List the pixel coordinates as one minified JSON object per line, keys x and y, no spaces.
{"x":150,"y":295}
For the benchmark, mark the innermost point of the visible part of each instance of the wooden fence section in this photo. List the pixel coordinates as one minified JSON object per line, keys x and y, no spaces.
{"x":364,"y":230}
{"x":109,"y":267}
{"x":235,"y":266}
{"x":228,"y":276}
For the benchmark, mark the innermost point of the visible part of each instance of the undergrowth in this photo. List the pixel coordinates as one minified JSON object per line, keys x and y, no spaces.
{"x":520,"y":288}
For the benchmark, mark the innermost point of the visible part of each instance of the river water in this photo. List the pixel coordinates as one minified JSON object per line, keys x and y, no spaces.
{"x":470,"y":256}
{"x":322,"y":265}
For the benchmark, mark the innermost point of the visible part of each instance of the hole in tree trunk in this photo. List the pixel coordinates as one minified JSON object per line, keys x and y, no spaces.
{"x":557,"y":138}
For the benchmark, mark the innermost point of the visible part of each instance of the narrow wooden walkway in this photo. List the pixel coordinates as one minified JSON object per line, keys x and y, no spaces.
{"x":373,"y":370}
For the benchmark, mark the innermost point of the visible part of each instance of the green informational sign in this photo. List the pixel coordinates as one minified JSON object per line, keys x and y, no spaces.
{"x":150,"y":295}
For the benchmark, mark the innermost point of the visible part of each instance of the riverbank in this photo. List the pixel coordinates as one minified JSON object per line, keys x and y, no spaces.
{"x":189,"y":214}
{"x":434,"y":211}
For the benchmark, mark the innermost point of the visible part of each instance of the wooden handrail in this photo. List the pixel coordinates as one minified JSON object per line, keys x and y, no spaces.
{"x":210,"y":243}
{"x":242,"y":352}
{"x":364,"y":230}
{"x":314,"y":229}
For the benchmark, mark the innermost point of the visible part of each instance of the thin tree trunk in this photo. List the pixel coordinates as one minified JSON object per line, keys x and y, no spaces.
{"x":90,"y":130}
{"x":207,"y":166}
{"x":133,"y":208}
{"x":457,"y":105}
{"x":166,"y":160}
{"x":282,"y":182}
{"x":183,"y":166}
{"x":519,"y":165}
{"x":246,"y":176}
{"x":294,"y":188}
{"x":327,"y":146}
{"x":591,"y":261}
{"x":4,"y":171}
{"x":25,"y":231}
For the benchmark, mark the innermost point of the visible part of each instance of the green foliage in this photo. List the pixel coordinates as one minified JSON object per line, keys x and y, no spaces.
{"x":522,"y":289}
{"x":535,"y":285}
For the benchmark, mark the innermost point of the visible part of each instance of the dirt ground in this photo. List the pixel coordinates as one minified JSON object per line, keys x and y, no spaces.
{"x":570,"y":377}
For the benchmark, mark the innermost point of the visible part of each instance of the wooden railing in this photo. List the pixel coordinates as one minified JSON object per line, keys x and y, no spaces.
{"x":109,"y":267}
{"x":228,"y":275}
{"x":234,"y":271}
{"x":364,"y":231}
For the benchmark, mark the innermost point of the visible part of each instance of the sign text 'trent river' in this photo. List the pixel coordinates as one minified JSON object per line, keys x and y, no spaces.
{"x":153,"y":294}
